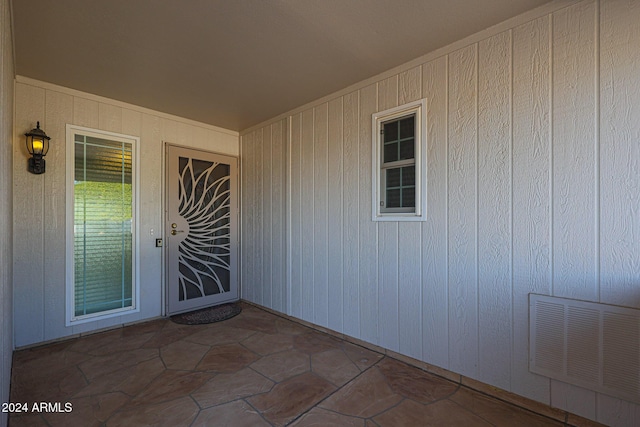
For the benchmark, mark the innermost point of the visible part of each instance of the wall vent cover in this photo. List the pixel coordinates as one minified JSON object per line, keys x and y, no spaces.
{"x":591,"y":345}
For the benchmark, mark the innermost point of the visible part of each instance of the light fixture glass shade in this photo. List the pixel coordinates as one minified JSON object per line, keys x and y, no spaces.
{"x":37,"y":145}
{"x":37,"y":141}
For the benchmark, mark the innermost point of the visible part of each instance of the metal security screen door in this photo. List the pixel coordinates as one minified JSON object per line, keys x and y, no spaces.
{"x":201,"y":229}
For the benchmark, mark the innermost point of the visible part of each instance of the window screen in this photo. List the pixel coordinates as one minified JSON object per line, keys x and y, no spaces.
{"x":398,"y":165}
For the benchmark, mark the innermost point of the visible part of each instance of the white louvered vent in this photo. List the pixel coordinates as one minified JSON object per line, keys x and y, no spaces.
{"x":595,"y":346}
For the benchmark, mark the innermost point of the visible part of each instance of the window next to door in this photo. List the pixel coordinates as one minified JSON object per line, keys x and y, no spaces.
{"x":102,"y":189}
{"x":399,"y":162}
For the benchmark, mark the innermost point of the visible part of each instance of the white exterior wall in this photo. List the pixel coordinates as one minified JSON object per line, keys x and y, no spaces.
{"x":263,"y":211}
{"x":533,"y":186}
{"x":6,"y":217}
{"x":39,"y":200}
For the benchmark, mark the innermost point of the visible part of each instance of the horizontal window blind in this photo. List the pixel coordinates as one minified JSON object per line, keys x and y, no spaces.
{"x":103,"y":206}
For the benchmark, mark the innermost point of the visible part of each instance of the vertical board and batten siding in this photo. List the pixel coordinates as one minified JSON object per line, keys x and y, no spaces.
{"x":388,"y":259}
{"x":619,"y":153}
{"x":264,"y":217}
{"x":462,"y":211}
{"x":278,"y":222}
{"x":261,"y":215}
{"x":410,"y":248}
{"x":321,"y":225}
{"x":40,"y":293}
{"x":307,"y":215}
{"x":6,"y":204}
{"x":368,"y":248}
{"x":247,"y":232}
{"x":435,"y":231}
{"x":350,"y":215}
{"x":494,"y":209}
{"x":292,"y":191}
{"x":295,"y":229}
{"x":335,"y":221}
{"x":573,"y":118}
{"x":28,"y":241}
{"x":59,"y":108}
{"x":256,"y":217}
{"x":399,"y":279}
{"x":575,"y":168}
{"x":619,"y":178}
{"x":533,"y":178}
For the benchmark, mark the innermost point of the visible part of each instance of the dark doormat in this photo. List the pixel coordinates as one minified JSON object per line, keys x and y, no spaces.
{"x":214,"y":314}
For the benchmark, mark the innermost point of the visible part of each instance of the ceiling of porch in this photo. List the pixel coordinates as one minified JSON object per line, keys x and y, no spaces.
{"x":236,"y":63}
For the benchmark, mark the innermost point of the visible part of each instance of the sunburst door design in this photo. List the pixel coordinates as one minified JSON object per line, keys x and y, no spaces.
{"x":201,"y":229}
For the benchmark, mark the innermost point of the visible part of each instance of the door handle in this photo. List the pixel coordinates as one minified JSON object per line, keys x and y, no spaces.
{"x":174,"y":232}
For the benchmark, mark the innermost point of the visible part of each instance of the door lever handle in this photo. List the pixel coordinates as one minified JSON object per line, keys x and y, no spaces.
{"x":174,"y":232}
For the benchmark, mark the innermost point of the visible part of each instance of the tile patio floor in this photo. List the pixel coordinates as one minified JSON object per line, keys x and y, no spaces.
{"x":256,"y":369}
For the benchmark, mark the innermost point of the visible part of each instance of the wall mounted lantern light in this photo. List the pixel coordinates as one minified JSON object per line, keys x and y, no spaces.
{"x":38,"y":145}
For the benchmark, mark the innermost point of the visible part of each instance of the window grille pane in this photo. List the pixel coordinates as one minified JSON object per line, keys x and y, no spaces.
{"x":407,"y":149}
{"x":391,"y":131}
{"x":393,"y":198}
{"x":393,"y":177}
{"x":98,"y":163}
{"x":390,"y":152}
{"x":407,"y":127}
{"x":409,"y":197}
{"x":103,"y":207}
{"x":408,"y":176}
{"x":400,"y":187}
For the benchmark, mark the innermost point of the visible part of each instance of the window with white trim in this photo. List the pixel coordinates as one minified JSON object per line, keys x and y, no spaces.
{"x":101,"y":224}
{"x":398,"y":158}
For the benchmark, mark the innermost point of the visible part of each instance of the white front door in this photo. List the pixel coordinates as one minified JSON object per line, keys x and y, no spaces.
{"x":201,"y":229}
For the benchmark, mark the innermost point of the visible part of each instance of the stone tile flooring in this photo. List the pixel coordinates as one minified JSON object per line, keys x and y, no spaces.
{"x":256,"y":369}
